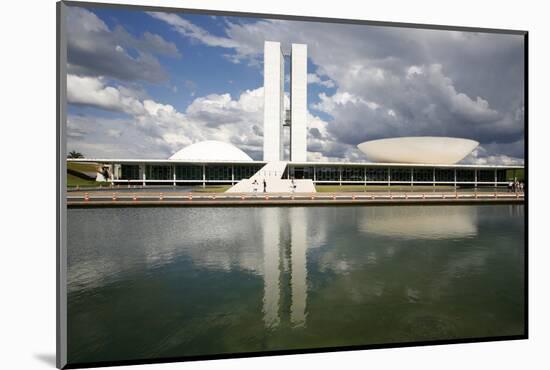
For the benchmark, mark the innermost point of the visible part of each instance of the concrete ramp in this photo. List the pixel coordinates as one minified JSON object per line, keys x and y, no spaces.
{"x":272,"y":173}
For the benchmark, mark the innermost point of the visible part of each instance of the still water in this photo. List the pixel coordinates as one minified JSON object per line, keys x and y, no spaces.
{"x":162,"y":282}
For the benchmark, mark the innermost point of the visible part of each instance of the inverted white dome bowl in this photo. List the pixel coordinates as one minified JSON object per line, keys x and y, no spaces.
{"x":418,"y":149}
{"x":211,"y":150}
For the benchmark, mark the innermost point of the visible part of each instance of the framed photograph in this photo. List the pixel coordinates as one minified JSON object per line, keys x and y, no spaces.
{"x":237,"y":184}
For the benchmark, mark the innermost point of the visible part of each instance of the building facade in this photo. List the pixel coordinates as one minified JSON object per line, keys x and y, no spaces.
{"x":171,"y":172}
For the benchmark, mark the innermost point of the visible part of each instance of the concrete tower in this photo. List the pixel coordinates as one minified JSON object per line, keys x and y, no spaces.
{"x":274,"y":72}
{"x":298,"y":103}
{"x":275,"y":116}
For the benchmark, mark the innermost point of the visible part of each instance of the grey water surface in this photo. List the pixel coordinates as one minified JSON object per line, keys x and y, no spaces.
{"x":146,"y":283}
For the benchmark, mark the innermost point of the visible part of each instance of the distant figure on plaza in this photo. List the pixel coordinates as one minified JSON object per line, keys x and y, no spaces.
{"x":255,"y":185}
{"x":265,"y":186}
{"x":292,"y":185}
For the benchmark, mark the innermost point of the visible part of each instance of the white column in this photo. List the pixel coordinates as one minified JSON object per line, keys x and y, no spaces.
{"x":273,"y":100}
{"x":314,"y":174}
{"x":144,"y":170}
{"x":455,"y":178}
{"x":116,"y":171}
{"x":174,"y":174}
{"x":298,"y":103}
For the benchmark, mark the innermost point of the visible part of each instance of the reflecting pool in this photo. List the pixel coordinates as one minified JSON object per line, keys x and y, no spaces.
{"x":162,"y":282}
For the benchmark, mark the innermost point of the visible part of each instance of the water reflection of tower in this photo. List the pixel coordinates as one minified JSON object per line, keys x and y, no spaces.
{"x":298,"y":279}
{"x":284,"y":246}
{"x":271,"y":242}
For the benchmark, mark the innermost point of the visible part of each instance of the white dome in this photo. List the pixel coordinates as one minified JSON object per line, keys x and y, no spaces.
{"x":211,"y":151}
{"x":419,"y":149}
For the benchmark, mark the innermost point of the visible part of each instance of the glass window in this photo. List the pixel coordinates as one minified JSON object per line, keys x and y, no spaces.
{"x":377,"y":174}
{"x":444,"y":174}
{"x":188,"y":172}
{"x":423,"y":174}
{"x":501,"y":175}
{"x":301,"y":172}
{"x":400,"y":174}
{"x":486,"y":176}
{"x":353,"y":173}
{"x":327,"y":173}
{"x":159,"y":172}
{"x":245,"y":171}
{"x":129,"y":172}
{"x":218,"y":172}
{"x":464,"y":175}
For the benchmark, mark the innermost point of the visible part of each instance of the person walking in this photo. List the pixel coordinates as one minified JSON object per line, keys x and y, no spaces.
{"x":265,"y":186}
{"x":255,"y":185}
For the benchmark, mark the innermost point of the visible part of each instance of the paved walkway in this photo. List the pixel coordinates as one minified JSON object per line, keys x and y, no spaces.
{"x":113,"y":199}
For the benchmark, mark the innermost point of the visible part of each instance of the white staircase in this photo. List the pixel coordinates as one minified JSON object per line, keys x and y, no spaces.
{"x":272,"y":173}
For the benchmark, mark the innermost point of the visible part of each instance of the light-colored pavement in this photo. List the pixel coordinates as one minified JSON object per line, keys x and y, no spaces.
{"x":149,"y":198}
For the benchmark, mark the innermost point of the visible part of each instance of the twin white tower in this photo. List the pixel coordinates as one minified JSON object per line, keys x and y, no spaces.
{"x":275,"y":115}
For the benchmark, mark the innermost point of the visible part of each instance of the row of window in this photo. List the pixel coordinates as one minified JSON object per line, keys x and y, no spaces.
{"x":396,"y":174}
{"x":320,"y":174}
{"x":166,"y":172}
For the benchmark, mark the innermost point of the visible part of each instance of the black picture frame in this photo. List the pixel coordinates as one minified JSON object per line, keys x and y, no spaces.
{"x":61,"y":170}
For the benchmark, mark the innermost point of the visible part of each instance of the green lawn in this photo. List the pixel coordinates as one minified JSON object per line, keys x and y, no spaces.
{"x":519,"y":174}
{"x":82,"y":167}
{"x":211,"y":189}
{"x":73,"y":181}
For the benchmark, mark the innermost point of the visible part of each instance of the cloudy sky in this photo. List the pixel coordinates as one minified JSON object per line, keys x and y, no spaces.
{"x":144,"y":85}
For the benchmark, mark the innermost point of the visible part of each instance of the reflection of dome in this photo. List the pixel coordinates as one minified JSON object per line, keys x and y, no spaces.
{"x":211,"y":150}
{"x":425,"y":222}
{"x":420,"y":149}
